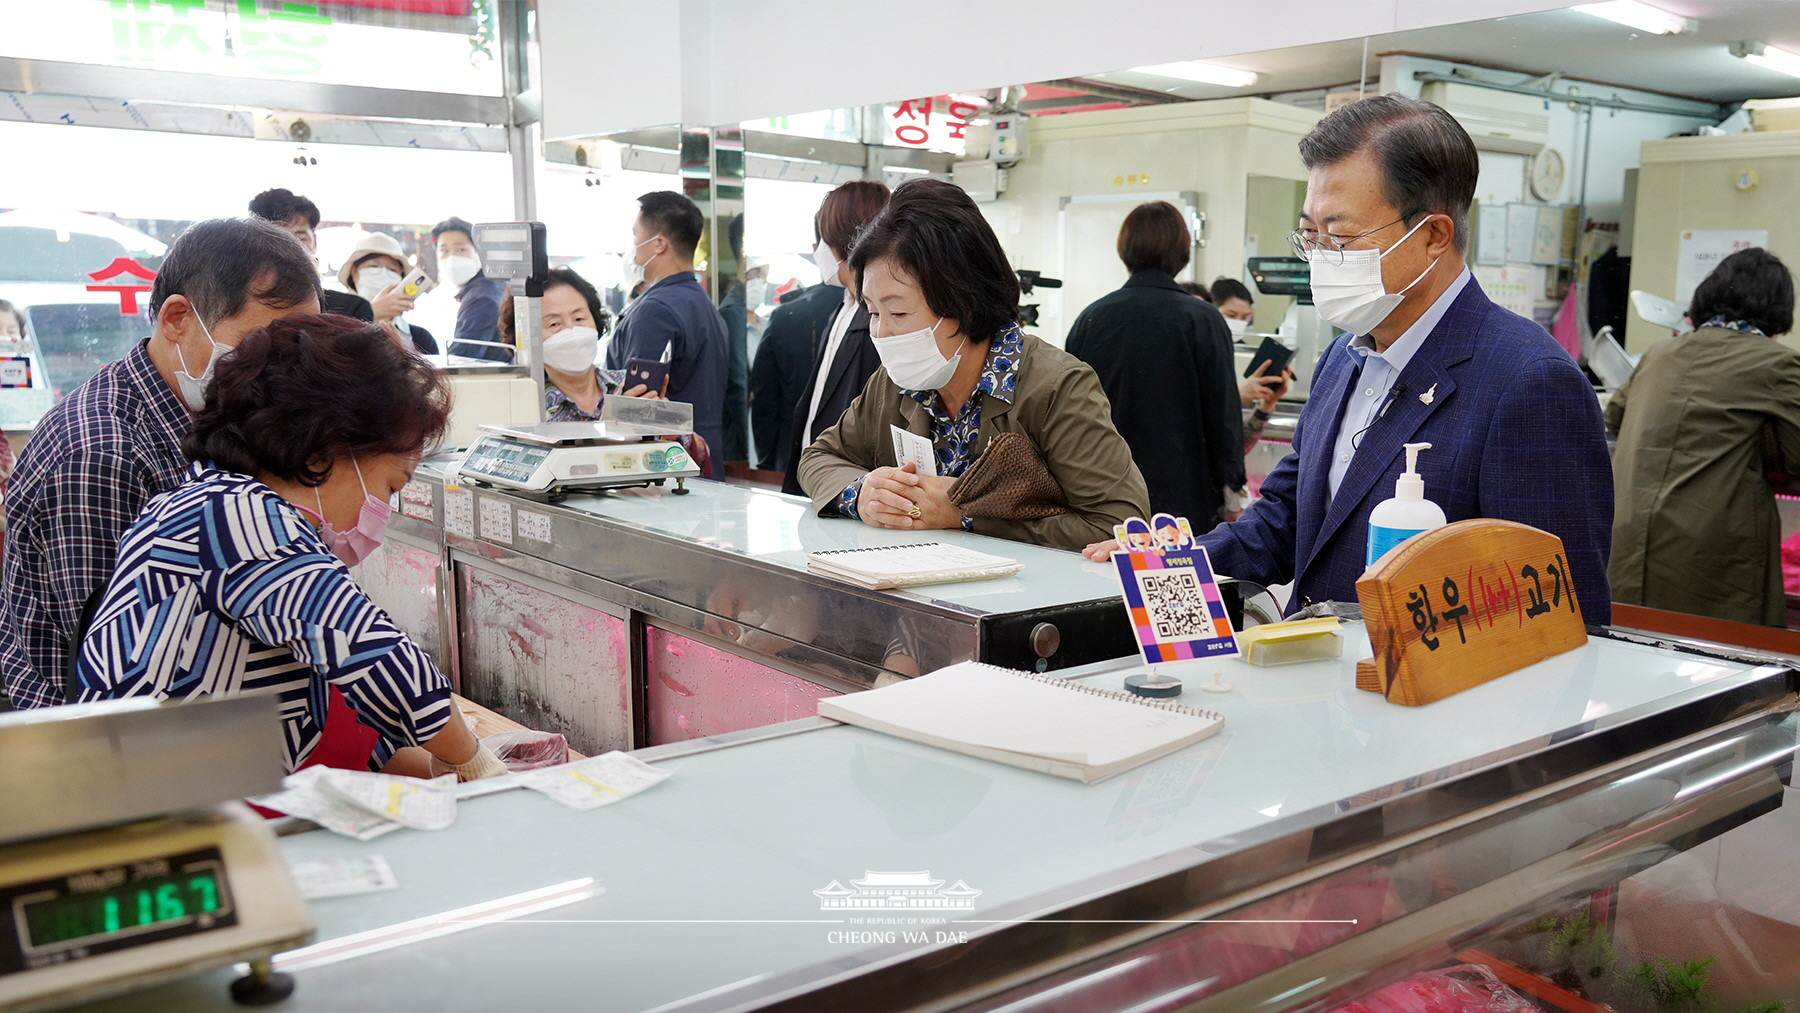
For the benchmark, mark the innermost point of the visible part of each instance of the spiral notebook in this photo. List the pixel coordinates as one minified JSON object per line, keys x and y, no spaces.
{"x":1027,"y":720}
{"x":883,"y":566}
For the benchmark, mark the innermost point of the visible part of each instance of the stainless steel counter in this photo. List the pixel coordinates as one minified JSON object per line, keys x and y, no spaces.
{"x":1323,"y":843}
{"x":638,"y":617}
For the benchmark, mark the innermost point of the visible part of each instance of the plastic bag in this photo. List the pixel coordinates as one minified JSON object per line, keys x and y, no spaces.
{"x":528,"y":750}
{"x":1446,"y":990}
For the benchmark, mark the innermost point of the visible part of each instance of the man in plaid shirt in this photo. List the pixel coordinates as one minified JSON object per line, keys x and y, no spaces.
{"x":113,"y":443}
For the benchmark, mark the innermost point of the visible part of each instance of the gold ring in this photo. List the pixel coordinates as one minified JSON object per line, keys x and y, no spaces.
{"x":914,"y":513}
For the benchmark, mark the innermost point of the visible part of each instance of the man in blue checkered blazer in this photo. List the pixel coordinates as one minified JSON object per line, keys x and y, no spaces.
{"x":1515,"y":428}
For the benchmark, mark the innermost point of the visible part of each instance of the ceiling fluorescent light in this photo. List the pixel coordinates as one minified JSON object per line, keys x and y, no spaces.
{"x":1768,"y":56}
{"x":1203,"y":73}
{"x":1640,"y":16}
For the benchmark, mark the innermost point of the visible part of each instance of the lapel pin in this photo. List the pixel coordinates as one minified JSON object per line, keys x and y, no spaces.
{"x":1429,"y":396}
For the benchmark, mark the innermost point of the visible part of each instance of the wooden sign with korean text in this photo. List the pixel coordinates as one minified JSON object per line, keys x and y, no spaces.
{"x":1465,"y":603}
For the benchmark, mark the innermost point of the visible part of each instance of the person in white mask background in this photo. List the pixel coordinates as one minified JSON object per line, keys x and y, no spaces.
{"x":958,"y":371}
{"x":1515,"y":428}
{"x":115,"y":441}
{"x":841,"y":354}
{"x":374,"y":271}
{"x":674,"y":321}
{"x":1259,"y":391}
{"x":238,"y":580}
{"x":1164,"y":359}
{"x":459,"y":271}
{"x":574,"y":321}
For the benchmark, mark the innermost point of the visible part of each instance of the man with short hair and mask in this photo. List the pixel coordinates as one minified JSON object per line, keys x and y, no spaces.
{"x":477,"y":296}
{"x":1514,"y":427}
{"x":115,"y":441}
{"x":674,"y":321}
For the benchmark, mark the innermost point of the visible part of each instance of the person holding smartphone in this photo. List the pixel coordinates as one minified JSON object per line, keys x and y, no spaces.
{"x":574,"y":322}
{"x":375,"y":270}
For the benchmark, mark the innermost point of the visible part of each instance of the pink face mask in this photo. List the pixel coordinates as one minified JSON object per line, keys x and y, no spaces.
{"x":354,"y":546}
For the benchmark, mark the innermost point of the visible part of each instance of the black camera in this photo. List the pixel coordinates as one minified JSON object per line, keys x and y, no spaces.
{"x":1028,"y":280}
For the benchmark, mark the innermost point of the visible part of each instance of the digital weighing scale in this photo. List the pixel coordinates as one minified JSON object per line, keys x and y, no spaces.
{"x":627,"y":447}
{"x":121,"y":867}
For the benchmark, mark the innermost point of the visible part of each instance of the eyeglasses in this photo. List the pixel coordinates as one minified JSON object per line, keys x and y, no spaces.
{"x":1329,"y":247}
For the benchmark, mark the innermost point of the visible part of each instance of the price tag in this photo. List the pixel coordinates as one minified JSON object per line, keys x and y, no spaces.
{"x":496,"y":521}
{"x":416,"y":500}
{"x":459,"y":512}
{"x":534,"y":526}
{"x":15,"y":372}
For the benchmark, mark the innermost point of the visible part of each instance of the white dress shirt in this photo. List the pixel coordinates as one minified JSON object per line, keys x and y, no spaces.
{"x":834,"y":339}
{"x":1379,"y":371}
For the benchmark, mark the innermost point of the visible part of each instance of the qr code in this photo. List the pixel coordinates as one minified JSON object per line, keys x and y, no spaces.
{"x":1175,"y":604}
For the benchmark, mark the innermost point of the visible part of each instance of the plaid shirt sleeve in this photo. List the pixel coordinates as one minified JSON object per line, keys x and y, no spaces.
{"x":71,"y":543}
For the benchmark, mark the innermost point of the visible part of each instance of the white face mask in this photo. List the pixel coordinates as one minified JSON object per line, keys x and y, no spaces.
{"x":827,"y":263}
{"x":458,"y":270}
{"x":370,"y":281}
{"x":1351,"y":295}
{"x":755,"y":291}
{"x":193,"y":388}
{"x":913,"y":361}
{"x":634,"y":271}
{"x":572,"y":349}
{"x":1238,"y":328}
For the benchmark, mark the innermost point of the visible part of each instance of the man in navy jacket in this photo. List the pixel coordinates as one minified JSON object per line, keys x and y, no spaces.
{"x":674,"y":321}
{"x":1515,"y":428}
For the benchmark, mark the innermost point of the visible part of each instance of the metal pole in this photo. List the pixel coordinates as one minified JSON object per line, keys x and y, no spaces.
{"x":523,"y":106}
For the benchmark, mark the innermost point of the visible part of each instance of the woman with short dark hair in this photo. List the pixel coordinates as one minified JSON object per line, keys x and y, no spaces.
{"x":1165,"y":361}
{"x":943,"y":305}
{"x":1701,"y":421}
{"x":844,"y":357}
{"x":238,"y":580}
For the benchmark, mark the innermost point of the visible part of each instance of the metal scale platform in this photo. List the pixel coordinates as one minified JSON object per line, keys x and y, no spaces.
{"x":121,"y":866}
{"x":629,"y":446}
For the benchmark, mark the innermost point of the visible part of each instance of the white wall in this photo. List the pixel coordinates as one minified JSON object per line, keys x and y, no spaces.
{"x":1207,"y":148}
{"x":622,"y":64}
{"x":1613,"y":148}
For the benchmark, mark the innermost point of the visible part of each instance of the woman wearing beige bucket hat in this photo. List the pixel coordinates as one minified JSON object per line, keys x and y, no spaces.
{"x":374,"y":270}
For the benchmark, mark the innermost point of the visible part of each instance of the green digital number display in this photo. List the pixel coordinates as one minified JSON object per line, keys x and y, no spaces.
{"x":150,"y":903}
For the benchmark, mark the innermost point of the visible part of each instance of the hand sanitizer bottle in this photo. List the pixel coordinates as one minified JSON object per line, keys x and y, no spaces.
{"x":1409,"y":513}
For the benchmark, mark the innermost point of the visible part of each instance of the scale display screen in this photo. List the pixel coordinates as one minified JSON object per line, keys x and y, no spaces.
{"x":95,"y":911}
{"x":505,"y":459}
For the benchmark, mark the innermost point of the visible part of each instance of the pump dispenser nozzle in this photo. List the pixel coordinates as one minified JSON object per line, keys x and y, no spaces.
{"x":1409,"y":513}
{"x":1411,"y":485}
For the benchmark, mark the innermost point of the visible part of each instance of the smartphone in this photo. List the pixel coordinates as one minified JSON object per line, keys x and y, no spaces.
{"x":416,"y":283}
{"x":652,"y":373}
{"x":1273,"y":352}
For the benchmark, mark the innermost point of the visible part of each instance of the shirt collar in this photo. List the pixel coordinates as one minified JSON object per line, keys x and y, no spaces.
{"x":1152,"y":279}
{"x":1408,"y":344}
{"x":166,"y":409}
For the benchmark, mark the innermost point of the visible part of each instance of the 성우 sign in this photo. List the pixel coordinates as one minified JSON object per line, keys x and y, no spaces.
{"x":1462,"y":604}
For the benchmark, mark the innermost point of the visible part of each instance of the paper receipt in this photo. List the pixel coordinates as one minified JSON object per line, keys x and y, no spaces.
{"x":913,"y":449}
{"x":344,"y":877}
{"x":302,"y":797}
{"x":408,"y":801}
{"x":597,"y":781}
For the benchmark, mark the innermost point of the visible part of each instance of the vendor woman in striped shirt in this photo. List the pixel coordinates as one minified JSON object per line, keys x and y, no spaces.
{"x":238,"y":580}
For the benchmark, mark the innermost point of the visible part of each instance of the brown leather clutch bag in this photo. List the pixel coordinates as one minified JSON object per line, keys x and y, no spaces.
{"x":1009,"y":481}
